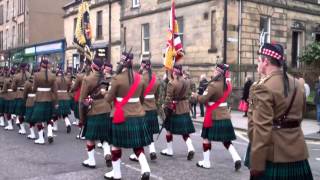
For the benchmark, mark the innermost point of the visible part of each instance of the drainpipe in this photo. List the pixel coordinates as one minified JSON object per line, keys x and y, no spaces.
{"x":239,"y":39}
{"x":225,"y":31}
{"x":109,"y":48}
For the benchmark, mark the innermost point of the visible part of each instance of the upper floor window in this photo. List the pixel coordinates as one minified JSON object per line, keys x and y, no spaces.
{"x":145,"y":38}
{"x":181,"y":28}
{"x":99,"y":26}
{"x":135,"y":3}
{"x":265,"y":24}
{"x":1,"y":14}
{"x":21,"y":5}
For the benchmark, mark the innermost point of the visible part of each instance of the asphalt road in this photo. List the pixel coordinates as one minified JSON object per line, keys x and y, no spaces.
{"x":20,"y":158}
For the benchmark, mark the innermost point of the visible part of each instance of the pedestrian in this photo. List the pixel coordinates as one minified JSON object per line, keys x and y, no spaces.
{"x":217,"y":125}
{"x":129,"y":127}
{"x":46,"y":100}
{"x":317,"y":101}
{"x":202,"y":87}
{"x":278,"y":148}
{"x":177,"y":110}
{"x":94,"y":110}
{"x":245,"y":95}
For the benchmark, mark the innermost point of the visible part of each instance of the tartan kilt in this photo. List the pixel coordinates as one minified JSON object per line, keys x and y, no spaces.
{"x":247,"y":157}
{"x":76,"y":110}
{"x":42,"y":112}
{"x":64,"y":108}
{"x":20,"y":107}
{"x":152,"y":120}
{"x":221,"y":130}
{"x":98,"y":127}
{"x":28,"y":114}
{"x":10,"y":106}
{"x":299,"y":170}
{"x":180,"y":124}
{"x":133,"y":133}
{"x":2,"y":103}
{"x":72,"y":104}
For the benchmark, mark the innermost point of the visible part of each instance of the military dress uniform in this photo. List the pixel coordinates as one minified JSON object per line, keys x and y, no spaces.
{"x":29,"y":96}
{"x":179,"y":122}
{"x":9,"y":96}
{"x":75,"y":88}
{"x":18,"y":87}
{"x":221,"y":129}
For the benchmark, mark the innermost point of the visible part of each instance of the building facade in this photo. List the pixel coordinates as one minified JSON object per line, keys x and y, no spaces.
{"x":105,"y":24}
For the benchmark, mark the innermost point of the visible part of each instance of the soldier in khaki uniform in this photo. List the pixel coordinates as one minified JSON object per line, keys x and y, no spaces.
{"x":277,"y":101}
{"x":217,"y":115}
{"x":178,"y":121}
{"x":151,"y":97}
{"x":63,"y":85}
{"x":9,"y":97}
{"x":2,"y":78}
{"x":29,"y":97}
{"x":94,"y":110}
{"x":46,"y":100}
{"x":129,"y":127}
{"x":17,"y":87}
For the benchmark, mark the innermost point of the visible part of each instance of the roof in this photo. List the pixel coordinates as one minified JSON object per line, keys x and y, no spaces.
{"x":72,"y":3}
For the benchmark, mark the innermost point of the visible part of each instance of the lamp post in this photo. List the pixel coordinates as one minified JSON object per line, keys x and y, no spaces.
{"x":225,"y":31}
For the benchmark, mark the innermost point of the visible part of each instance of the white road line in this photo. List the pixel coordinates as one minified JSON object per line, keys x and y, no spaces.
{"x":138,"y":170}
{"x":240,"y":143}
{"x":313,"y":142}
{"x":318,"y":159}
{"x":315,"y":149}
{"x":242,"y":136}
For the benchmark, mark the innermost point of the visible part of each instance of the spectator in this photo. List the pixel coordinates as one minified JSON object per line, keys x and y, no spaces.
{"x":246,"y":91}
{"x":202,"y":87}
{"x":317,"y":101}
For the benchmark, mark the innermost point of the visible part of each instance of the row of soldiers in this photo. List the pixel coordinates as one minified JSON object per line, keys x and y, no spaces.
{"x":121,"y":111}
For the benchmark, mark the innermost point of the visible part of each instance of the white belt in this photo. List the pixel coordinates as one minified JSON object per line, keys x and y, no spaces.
{"x":31,"y":95}
{"x":20,"y":88}
{"x":149,"y":96}
{"x":62,"y":91}
{"x":43,"y":89}
{"x":220,"y":105}
{"x":131,"y":100}
{"x":10,"y":90}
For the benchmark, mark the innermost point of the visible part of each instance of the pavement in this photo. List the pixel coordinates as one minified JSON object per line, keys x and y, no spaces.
{"x":310,"y":127}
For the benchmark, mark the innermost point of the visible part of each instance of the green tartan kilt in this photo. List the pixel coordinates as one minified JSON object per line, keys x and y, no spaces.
{"x":299,"y":170}
{"x":247,"y":157}
{"x":2,"y":103}
{"x":20,"y":107}
{"x":133,"y":133}
{"x":10,"y":106}
{"x":64,"y":108}
{"x":180,"y":124}
{"x":99,"y":127}
{"x":221,"y":130}
{"x":152,"y":121}
{"x":76,"y":110}
{"x":28,"y":114}
{"x":42,"y":112}
{"x":72,"y":104}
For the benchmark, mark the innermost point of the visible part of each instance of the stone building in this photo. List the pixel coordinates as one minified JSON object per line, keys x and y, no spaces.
{"x":100,"y":23}
{"x":25,"y":23}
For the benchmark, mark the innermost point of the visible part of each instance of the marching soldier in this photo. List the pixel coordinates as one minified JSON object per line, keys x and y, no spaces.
{"x":192,"y":100}
{"x":29,"y":96}
{"x":129,"y":127}
{"x":94,"y":110}
{"x":63,"y":85}
{"x":9,"y":96}
{"x":177,"y":110}
{"x":278,"y":148}
{"x":151,"y":96}
{"x":217,"y":125}
{"x":2,"y":79}
{"x":18,"y":87}
{"x":46,"y":100}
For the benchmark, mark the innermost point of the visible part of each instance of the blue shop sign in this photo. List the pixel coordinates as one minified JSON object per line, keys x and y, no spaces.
{"x":50,"y":48}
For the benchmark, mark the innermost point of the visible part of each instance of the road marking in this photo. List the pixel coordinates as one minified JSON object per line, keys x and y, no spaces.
{"x":318,"y":159}
{"x":240,"y":143}
{"x":315,"y":149}
{"x":241,"y":136}
{"x":313,"y":142}
{"x":138,"y":170}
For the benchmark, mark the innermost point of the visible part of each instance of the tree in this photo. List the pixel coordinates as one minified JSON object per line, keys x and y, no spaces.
{"x":311,"y":56}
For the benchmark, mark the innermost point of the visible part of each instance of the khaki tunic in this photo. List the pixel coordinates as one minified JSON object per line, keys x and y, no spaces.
{"x":98,"y":106}
{"x":41,"y":82}
{"x":214,"y":92}
{"x":18,"y":83}
{"x":267,"y":102}
{"x":150,"y":104}
{"x":7,"y":95}
{"x":173,"y":94}
{"x":28,"y":90}
{"x":120,"y":87}
{"x":63,"y":85}
{"x":2,"y":79}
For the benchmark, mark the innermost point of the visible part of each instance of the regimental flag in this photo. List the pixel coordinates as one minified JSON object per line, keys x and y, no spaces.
{"x":83,"y":33}
{"x":174,"y":49}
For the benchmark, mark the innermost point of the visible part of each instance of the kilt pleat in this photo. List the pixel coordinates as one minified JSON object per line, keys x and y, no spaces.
{"x":221,"y":130}
{"x":28,"y":114}
{"x":2,"y":103}
{"x":20,"y":107}
{"x":133,"y":133}
{"x":152,"y":120}
{"x":180,"y":124}
{"x":99,"y":127}
{"x":64,"y":108}
{"x":42,"y":112}
{"x":10,"y":106}
{"x":76,"y":110}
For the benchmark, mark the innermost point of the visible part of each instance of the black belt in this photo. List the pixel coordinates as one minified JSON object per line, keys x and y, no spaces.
{"x":285,"y":124}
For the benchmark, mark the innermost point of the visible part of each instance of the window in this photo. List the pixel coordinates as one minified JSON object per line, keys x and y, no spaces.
{"x":1,"y":40}
{"x":74,"y":26}
{"x":1,"y":14}
{"x":13,"y":9}
{"x":99,"y":25}
{"x":13,"y":36}
{"x":135,"y":3}
{"x":21,"y":6}
{"x":317,"y":38}
{"x":124,"y":36}
{"x":180,"y":27}
{"x":296,"y":48}
{"x":7,"y":38}
{"x":21,"y":33}
{"x":7,"y":13}
{"x":265,"y":27}
{"x":145,"y":38}
{"x":213,"y":22}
